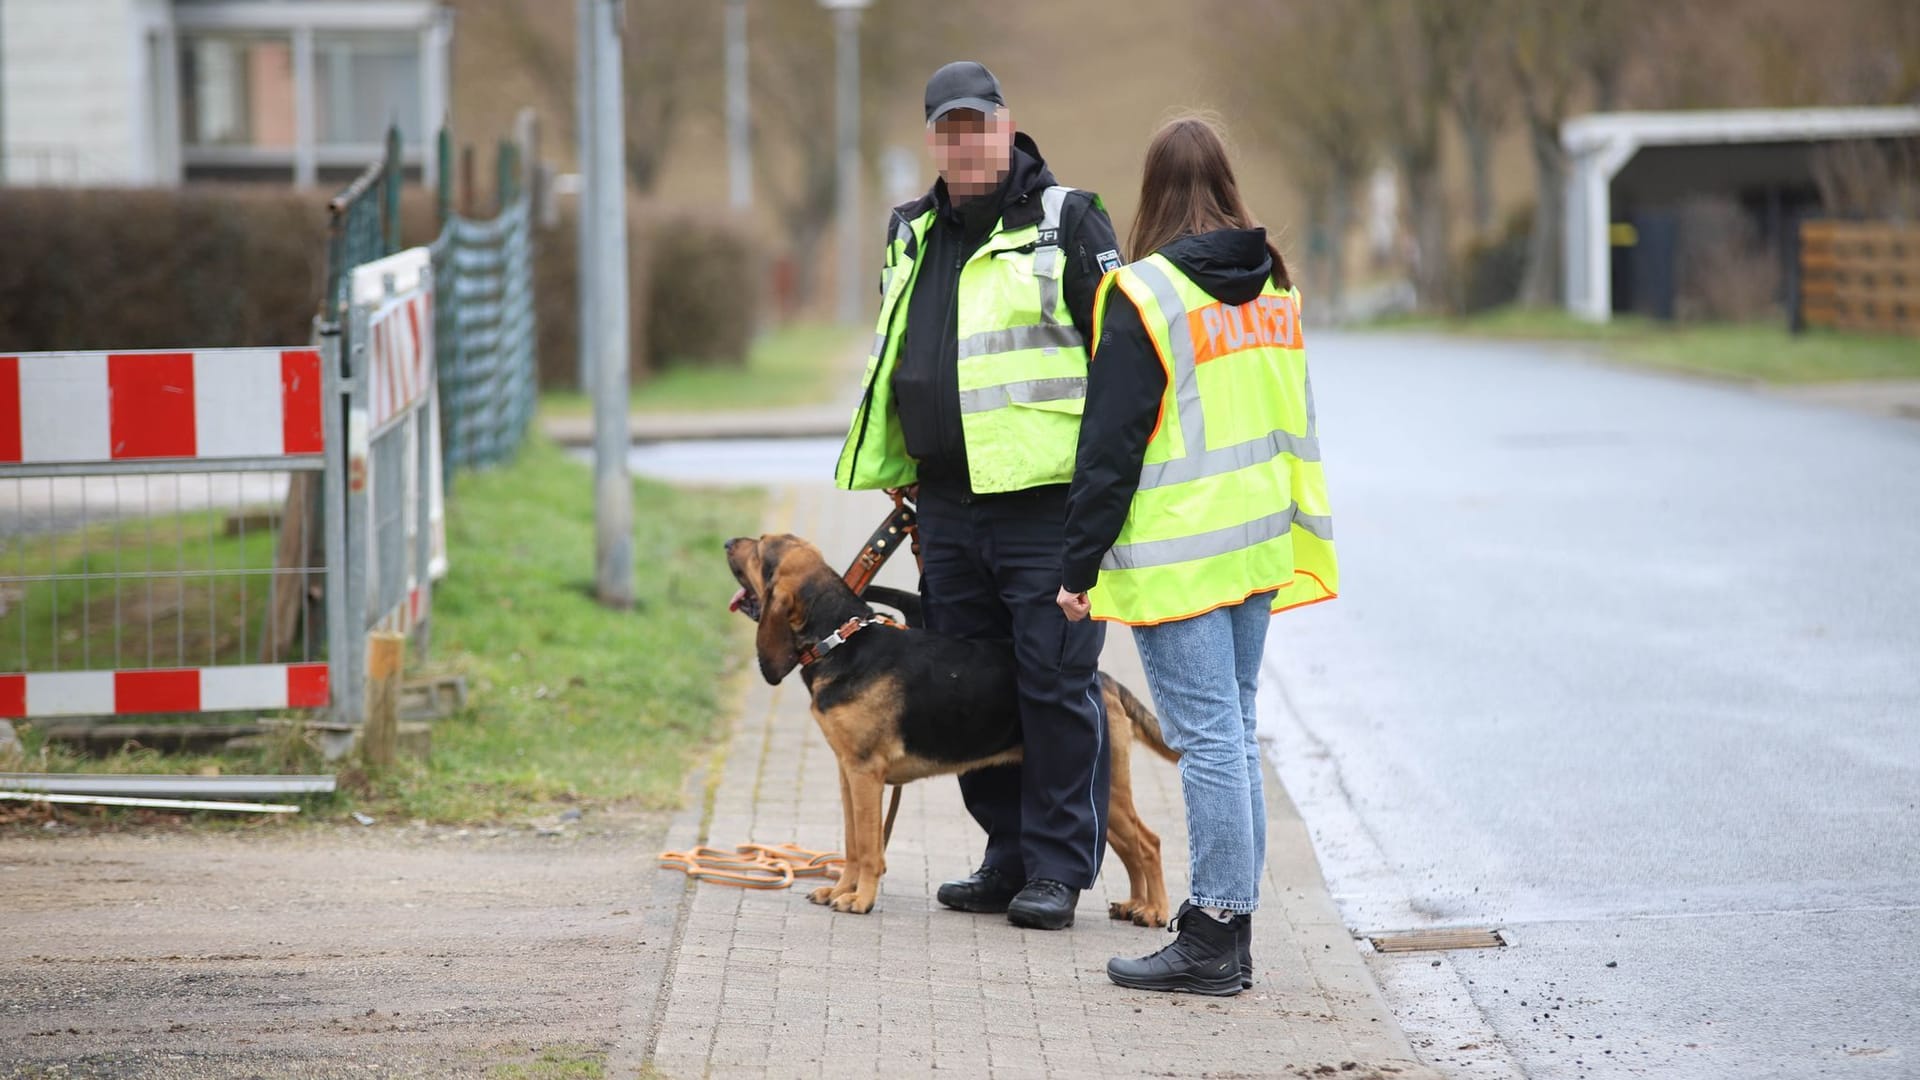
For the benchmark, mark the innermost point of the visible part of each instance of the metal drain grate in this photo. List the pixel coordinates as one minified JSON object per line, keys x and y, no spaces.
{"x":1436,"y":940}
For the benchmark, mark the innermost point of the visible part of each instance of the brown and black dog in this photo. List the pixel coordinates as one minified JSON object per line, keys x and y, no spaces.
{"x":900,"y":704}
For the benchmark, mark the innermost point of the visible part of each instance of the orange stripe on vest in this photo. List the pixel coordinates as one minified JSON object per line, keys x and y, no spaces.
{"x":1265,"y":322}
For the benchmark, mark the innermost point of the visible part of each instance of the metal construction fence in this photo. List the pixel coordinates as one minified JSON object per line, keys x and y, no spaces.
{"x":389,"y":486}
{"x":483,"y":270}
{"x":144,"y":565}
{"x":217,"y":530}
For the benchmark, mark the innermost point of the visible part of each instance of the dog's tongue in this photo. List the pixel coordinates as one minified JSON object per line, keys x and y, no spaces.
{"x":738,"y":598}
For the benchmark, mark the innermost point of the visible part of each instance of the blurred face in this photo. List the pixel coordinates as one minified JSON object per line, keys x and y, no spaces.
{"x":973,"y":151}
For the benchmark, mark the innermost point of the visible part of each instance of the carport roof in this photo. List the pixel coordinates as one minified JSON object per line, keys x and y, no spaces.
{"x":1599,"y":145}
{"x":1584,"y":134}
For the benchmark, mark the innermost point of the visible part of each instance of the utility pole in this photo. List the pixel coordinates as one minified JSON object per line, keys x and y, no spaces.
{"x":846,"y":17}
{"x":583,"y":139}
{"x":613,"y":487}
{"x":739,"y":145}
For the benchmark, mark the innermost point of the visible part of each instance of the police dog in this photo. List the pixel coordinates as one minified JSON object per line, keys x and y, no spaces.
{"x":901,"y":704}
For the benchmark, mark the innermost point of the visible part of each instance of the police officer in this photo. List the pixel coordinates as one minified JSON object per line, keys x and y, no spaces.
{"x":974,"y":392}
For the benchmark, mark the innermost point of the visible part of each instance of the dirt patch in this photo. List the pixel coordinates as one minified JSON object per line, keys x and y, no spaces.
{"x":321,"y":951}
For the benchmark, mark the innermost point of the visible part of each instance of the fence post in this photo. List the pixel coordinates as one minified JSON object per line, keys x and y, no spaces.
{"x":466,"y":181}
{"x":335,"y":402}
{"x":379,"y":739}
{"x":355,"y":553}
{"x":502,"y":176}
{"x":395,"y":173}
{"x":425,"y":465}
{"x":443,"y":177}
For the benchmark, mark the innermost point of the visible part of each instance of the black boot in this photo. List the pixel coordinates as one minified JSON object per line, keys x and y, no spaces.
{"x":1204,"y":959}
{"x":985,"y":890}
{"x":1243,"y":931}
{"x":1043,"y":905}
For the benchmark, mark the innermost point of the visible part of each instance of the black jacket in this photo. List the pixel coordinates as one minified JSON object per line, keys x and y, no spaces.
{"x":926,"y":385}
{"x":1125,"y":386}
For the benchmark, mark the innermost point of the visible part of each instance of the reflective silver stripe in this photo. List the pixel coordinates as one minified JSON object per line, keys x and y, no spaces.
{"x":1014,"y":338}
{"x":1051,"y":200}
{"x":1217,"y":542}
{"x":1186,"y":392}
{"x":1313,"y":420}
{"x":1229,"y":458}
{"x":1048,"y":277}
{"x":879,"y":345}
{"x":1047,"y":256}
{"x":989,"y":398}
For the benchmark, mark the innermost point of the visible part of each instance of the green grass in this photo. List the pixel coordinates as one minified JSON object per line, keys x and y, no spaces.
{"x":136,"y":610}
{"x":562,"y":1062}
{"x":1740,"y":350}
{"x":568,"y":701}
{"x":802,"y":364}
{"x":571,"y":701}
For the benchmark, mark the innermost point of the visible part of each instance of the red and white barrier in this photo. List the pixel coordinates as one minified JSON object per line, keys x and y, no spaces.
{"x":163,"y":690}
{"x":118,"y":406}
{"x":400,"y":355}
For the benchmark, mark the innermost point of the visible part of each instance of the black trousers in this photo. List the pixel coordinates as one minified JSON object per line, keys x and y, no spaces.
{"x":991,"y":569}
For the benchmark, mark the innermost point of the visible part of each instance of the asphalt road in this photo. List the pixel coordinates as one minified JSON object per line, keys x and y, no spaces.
{"x":1627,"y":665}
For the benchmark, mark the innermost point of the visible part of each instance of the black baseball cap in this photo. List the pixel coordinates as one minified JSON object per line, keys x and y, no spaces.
{"x":963,"y":84}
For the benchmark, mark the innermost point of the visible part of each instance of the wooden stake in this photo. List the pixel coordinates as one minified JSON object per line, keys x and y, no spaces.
{"x":380,"y":739}
{"x":288,"y":591}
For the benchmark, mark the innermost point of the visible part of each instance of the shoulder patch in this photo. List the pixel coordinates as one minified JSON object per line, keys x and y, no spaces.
{"x":1109,"y":260}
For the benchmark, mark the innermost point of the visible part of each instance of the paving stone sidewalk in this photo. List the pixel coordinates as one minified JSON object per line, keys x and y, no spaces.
{"x":754,"y":984}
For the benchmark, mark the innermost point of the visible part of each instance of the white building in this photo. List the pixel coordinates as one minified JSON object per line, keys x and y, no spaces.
{"x":144,"y":92}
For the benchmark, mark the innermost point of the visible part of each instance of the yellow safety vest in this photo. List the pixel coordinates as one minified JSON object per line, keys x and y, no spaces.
{"x":1022,"y":364}
{"x":1232,"y":501}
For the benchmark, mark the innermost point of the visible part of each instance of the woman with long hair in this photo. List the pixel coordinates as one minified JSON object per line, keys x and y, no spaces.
{"x":1197,"y":509}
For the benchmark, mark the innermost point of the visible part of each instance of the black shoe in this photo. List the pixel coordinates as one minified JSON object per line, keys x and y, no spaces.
{"x":1243,"y":930}
{"x":1204,"y":959}
{"x":1044,"y":905}
{"x":985,"y":890}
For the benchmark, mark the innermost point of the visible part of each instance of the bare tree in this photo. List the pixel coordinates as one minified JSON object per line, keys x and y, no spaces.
{"x":1479,"y":94}
{"x":1326,"y":121}
{"x":662,"y":44}
{"x":1410,"y":61}
{"x":792,"y":48}
{"x":1544,"y":56}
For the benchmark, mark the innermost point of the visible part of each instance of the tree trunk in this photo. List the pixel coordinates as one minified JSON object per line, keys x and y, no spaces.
{"x":1479,"y":144}
{"x":806,"y":235}
{"x":1339,"y":219}
{"x":1540,"y":285}
{"x":1427,"y":206}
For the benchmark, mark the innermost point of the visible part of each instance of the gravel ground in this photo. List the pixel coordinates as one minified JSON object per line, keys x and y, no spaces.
{"x":319,"y":951}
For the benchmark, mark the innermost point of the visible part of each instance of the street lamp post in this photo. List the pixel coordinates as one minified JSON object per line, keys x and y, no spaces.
{"x":846,"y":17}
{"x":606,"y":182}
{"x":739,"y":145}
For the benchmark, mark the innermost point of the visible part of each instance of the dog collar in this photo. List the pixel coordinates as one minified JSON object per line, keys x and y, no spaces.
{"x":813,"y":653}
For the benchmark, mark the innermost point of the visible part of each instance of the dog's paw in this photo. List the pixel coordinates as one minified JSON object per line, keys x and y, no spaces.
{"x":852,"y":904}
{"x":821,"y":895}
{"x":1137,"y":912}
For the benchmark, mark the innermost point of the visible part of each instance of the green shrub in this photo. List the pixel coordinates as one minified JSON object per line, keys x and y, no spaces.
{"x":1493,"y":268}
{"x":704,"y":290}
{"x":556,"y":300}
{"x":196,"y":267}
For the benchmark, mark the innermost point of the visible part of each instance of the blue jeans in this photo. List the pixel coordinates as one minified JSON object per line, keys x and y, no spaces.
{"x":1203,"y":673}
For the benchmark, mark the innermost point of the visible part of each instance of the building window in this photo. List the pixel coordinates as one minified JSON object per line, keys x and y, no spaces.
{"x":237,"y":91}
{"x":363,"y":82}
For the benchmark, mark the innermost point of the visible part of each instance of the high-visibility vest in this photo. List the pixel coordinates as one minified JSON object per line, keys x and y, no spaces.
{"x":1022,"y":364}
{"x":1232,"y":501}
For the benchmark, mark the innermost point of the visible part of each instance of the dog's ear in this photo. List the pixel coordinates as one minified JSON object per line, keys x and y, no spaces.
{"x":781,"y":617}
